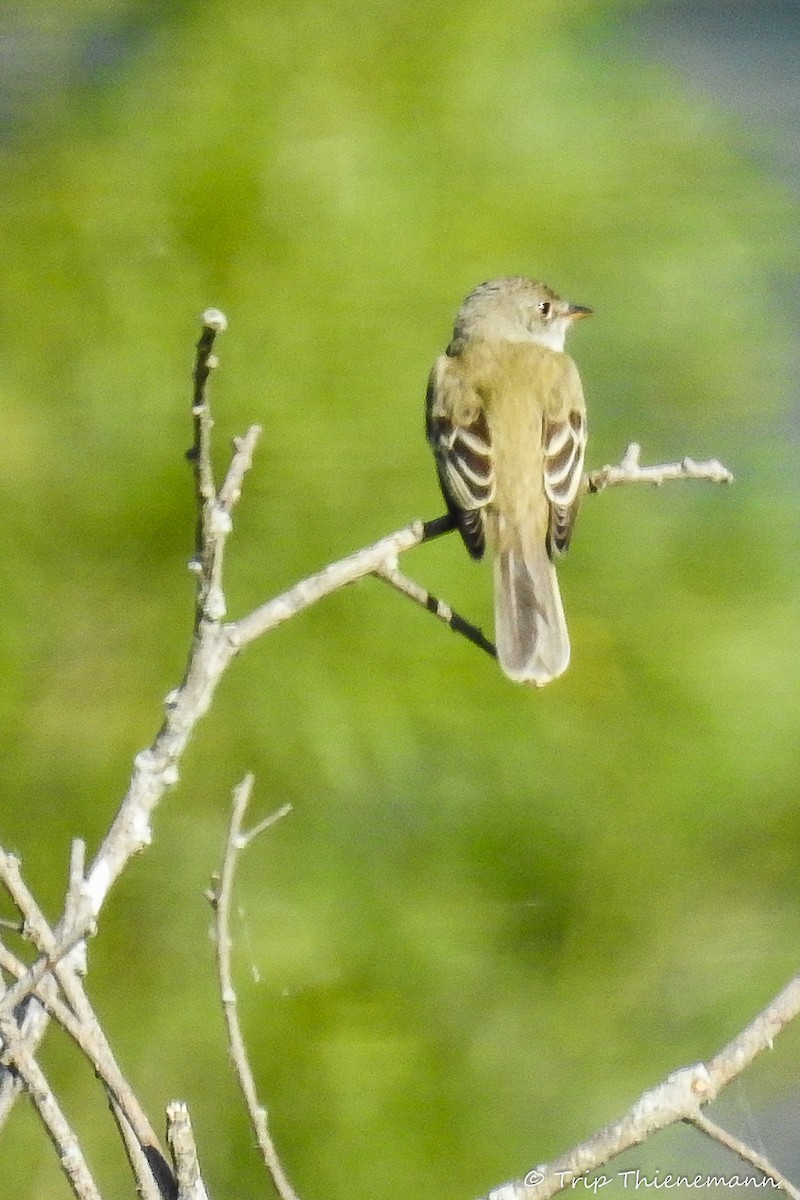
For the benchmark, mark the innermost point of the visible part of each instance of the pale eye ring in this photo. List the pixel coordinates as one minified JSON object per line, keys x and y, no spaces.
{"x":544,"y":307}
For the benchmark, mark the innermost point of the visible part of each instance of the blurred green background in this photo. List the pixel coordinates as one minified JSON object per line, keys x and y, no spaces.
{"x":494,"y":916}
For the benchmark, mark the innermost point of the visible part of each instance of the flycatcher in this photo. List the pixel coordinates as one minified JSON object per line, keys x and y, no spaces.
{"x":506,"y":420}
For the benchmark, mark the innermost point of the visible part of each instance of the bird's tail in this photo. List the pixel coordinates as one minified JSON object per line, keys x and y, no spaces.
{"x":530,"y":627}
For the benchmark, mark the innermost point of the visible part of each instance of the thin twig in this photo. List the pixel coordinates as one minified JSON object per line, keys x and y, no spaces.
{"x":70,"y":935}
{"x":75,"y":901}
{"x":390,"y":573}
{"x":47,"y":994}
{"x":86,"y":1029}
{"x":17,"y":1055}
{"x":249,"y":835}
{"x":244,"y":448}
{"x":214,"y":509}
{"x":151,"y":1179}
{"x":32,"y":1017}
{"x":27,"y":983}
{"x":146,"y":1185}
{"x":96,"y":1045}
{"x":213,"y":523}
{"x":757,"y":1036}
{"x":221,"y":900}
{"x":32,"y":1026}
{"x":214,"y":322}
{"x":156,"y":768}
{"x":747,"y":1154}
{"x":679,"y":1098}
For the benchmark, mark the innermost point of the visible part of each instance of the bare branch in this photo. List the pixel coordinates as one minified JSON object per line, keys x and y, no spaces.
{"x":214,"y":322}
{"x":144,"y":1160}
{"x":85,"y":1027}
{"x":244,"y":448}
{"x":757,"y":1036}
{"x":28,"y":983}
{"x":67,"y":941}
{"x":391,"y":574}
{"x":138,"y":1159}
{"x":46,"y":992}
{"x":248,"y":836}
{"x":180,"y":1138}
{"x":62,"y":951}
{"x":96,"y":1046}
{"x":327,"y":581}
{"x":17,"y":1054}
{"x":213,"y":512}
{"x":156,"y":768}
{"x":215,"y":644}
{"x":32,"y":1027}
{"x":630,"y":471}
{"x":717,"y":1134}
{"x":679,"y":1098}
{"x":235,"y":842}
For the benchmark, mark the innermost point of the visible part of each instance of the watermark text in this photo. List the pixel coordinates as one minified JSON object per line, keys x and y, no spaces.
{"x":636,"y":1181}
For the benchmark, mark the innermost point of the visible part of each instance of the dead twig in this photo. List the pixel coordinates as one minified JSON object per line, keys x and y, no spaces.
{"x":220,"y":897}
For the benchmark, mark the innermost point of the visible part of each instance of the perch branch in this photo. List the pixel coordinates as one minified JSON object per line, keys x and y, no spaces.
{"x":220,"y":897}
{"x":155,"y":769}
{"x":215,"y":644}
{"x":380,"y":558}
{"x":679,"y":1098}
{"x":324,"y":583}
{"x":629,"y":470}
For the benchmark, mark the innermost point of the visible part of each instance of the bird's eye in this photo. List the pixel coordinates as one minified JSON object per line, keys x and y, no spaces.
{"x":544,"y":307}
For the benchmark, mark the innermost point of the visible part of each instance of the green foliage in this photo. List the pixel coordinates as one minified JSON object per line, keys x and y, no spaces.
{"x":493,"y":916}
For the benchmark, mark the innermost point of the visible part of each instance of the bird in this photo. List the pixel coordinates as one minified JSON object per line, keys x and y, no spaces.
{"x":506,"y":420}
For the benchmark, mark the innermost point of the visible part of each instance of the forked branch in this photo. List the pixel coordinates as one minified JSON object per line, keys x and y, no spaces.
{"x":215,"y":643}
{"x":681,"y":1097}
{"x":53,"y":986}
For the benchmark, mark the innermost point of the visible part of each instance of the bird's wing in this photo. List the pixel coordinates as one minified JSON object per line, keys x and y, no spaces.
{"x":564,"y":442}
{"x":459,"y":436}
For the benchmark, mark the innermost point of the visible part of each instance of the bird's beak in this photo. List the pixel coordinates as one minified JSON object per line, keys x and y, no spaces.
{"x":576,"y":311}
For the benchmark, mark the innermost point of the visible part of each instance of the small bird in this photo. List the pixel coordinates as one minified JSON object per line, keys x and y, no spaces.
{"x":506,"y":420}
